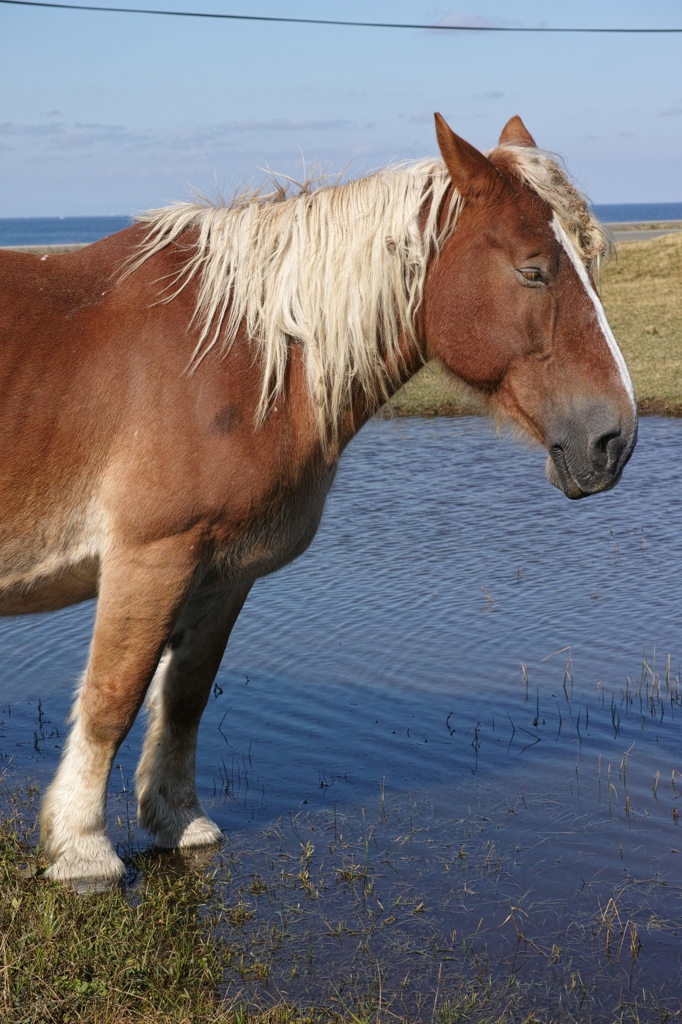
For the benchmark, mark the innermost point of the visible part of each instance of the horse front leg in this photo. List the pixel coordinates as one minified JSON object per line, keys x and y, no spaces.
{"x":141,"y":594}
{"x":168,"y":804}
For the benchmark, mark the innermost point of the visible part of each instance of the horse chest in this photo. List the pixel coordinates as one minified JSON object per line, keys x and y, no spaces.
{"x":277,"y":531}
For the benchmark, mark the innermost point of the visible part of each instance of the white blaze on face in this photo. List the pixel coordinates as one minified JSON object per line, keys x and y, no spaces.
{"x":580,"y":270}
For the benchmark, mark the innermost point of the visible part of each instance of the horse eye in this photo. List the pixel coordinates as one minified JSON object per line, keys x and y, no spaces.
{"x":531,"y":274}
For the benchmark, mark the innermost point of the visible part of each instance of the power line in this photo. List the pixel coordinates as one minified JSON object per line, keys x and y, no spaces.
{"x":330,"y":21}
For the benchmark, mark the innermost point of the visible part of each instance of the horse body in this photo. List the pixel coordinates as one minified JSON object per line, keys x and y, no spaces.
{"x":166,"y":491}
{"x":106,"y":440}
{"x":124,"y":477}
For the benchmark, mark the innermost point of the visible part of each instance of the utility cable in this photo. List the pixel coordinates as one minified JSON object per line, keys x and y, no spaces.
{"x":331,"y":21}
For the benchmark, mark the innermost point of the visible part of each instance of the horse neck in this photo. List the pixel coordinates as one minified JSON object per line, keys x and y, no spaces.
{"x":361,"y":409}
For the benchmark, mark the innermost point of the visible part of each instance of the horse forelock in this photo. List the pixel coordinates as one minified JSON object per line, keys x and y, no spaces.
{"x":543,"y":173}
{"x":339,"y":270}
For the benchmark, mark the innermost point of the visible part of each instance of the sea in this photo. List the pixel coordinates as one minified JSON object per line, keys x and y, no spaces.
{"x":67,"y":230}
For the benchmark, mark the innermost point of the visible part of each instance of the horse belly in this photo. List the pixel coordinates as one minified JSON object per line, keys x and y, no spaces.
{"x":49,"y":567}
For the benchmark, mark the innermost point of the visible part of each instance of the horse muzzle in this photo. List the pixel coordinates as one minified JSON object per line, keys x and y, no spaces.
{"x":588,"y":454}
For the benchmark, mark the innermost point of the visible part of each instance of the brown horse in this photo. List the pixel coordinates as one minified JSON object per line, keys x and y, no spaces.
{"x":175,"y":399}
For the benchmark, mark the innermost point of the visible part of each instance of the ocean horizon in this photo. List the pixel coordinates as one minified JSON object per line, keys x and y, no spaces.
{"x":69,"y":230}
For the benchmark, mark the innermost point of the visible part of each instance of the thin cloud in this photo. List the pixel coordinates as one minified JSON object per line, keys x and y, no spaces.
{"x":13,"y":128}
{"x":107,"y":127}
{"x":283,"y":125}
{"x":672,"y":112}
{"x":450,"y":19}
{"x":205,"y":142}
{"x":86,"y":135}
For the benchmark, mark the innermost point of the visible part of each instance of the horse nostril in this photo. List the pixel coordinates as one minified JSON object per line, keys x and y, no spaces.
{"x":609,"y":444}
{"x":606,"y":439}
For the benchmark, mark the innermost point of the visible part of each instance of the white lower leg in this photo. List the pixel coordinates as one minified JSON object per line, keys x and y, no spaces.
{"x":73,"y":819}
{"x":168,"y":804}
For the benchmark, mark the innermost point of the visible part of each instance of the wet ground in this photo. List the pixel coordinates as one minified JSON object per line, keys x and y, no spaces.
{"x":446,"y":743}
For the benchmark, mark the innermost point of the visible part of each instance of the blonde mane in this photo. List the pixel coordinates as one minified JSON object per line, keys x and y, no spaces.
{"x":339,"y":270}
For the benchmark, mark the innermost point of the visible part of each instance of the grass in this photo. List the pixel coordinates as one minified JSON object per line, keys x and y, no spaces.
{"x":320,"y":904}
{"x":101,"y":957}
{"x":642,"y":293}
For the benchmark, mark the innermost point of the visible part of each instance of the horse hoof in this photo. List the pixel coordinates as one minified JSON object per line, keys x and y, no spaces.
{"x":200,"y":831}
{"x":87,"y":873}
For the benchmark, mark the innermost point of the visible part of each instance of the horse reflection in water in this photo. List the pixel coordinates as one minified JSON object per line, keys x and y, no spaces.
{"x":176,"y":398}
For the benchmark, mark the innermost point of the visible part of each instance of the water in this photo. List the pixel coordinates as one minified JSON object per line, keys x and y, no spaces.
{"x":58,"y":230}
{"x":626,"y":213}
{"x":65,"y":230}
{"x":462,"y":661}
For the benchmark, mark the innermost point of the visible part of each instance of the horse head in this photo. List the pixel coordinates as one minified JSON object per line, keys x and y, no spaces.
{"x":511,"y":308}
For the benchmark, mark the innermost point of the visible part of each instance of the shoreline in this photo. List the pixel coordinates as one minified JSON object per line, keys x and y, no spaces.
{"x":645,"y":407}
{"x":639,"y":228}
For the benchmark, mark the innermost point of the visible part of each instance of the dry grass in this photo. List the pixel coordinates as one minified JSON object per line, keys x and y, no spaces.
{"x":642,"y":292}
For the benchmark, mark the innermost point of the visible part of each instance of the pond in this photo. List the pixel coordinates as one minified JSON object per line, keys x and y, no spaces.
{"x":445,"y":743}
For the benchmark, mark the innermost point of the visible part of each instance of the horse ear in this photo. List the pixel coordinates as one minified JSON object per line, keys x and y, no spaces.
{"x":515,"y":133}
{"x":471,"y":172}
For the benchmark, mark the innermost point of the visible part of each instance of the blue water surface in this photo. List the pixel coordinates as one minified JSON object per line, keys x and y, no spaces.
{"x":619,"y":213}
{"x":451,"y":595}
{"x":465,"y":659}
{"x":58,"y":230}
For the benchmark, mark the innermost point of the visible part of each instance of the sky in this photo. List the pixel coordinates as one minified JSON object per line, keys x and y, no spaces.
{"x":113,"y":114}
